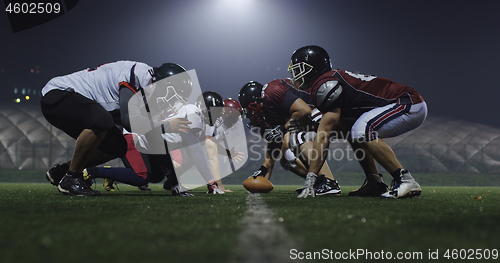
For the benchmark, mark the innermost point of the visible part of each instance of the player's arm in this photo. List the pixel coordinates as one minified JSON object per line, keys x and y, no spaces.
{"x":295,"y":106}
{"x":132,"y":115}
{"x":322,"y":142}
{"x":320,"y":147}
{"x":299,"y":109}
{"x":213,"y":160}
{"x":195,"y":151}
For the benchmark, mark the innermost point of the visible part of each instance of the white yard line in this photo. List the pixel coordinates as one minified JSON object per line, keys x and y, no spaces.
{"x":263,"y":238}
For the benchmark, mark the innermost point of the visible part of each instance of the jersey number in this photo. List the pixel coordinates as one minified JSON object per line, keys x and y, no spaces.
{"x":361,"y":76}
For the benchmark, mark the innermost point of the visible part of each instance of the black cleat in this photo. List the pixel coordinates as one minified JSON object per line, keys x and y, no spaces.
{"x":370,"y":188}
{"x":324,"y":186}
{"x":55,"y":174}
{"x":144,"y":187}
{"x":76,"y":186}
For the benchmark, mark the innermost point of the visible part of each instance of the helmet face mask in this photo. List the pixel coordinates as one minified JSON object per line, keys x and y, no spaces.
{"x":298,"y":72}
{"x":172,"y":92}
{"x":255,"y":114}
{"x":307,"y":64}
{"x":171,"y":102}
{"x":250,"y":97}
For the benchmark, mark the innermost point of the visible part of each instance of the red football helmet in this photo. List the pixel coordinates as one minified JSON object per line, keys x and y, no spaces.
{"x":232,"y":112}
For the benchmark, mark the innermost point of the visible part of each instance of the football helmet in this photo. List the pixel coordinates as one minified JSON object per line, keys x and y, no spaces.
{"x":232,"y":112}
{"x":173,"y":86}
{"x":211,"y":105}
{"x":250,"y":97}
{"x":307,"y":64}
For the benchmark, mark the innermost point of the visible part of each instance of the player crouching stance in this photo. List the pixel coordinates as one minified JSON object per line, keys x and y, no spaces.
{"x":390,"y":109}
{"x":269,"y":108}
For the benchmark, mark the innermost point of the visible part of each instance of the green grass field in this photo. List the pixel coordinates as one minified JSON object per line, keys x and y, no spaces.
{"x":38,"y":224}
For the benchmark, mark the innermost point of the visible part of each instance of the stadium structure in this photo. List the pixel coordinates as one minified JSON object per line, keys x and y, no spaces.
{"x":28,"y":141}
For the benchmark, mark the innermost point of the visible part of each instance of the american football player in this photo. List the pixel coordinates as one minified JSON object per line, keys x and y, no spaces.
{"x":220,"y":116}
{"x":269,"y":107}
{"x":86,"y":106}
{"x":380,"y":108}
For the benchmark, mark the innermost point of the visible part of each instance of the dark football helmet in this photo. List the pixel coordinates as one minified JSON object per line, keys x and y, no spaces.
{"x":250,"y":97}
{"x":232,"y":112}
{"x":308,"y":63}
{"x":211,"y":105}
{"x":172,"y":85}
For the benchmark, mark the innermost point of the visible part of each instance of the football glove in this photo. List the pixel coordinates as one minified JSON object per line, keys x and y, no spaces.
{"x":261,"y":172}
{"x":274,"y":133}
{"x":303,"y":124}
{"x":308,"y":186}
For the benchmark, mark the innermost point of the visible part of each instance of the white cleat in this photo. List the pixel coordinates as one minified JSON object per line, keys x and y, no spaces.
{"x":403,"y":187}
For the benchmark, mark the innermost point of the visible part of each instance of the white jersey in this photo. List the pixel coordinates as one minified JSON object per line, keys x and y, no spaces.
{"x":102,"y":84}
{"x":194,"y":115}
{"x":218,"y":131}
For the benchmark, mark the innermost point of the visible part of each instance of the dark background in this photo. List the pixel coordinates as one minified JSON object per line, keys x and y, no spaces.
{"x":446,"y":49}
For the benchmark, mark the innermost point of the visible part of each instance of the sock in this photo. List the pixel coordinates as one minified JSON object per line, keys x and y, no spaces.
{"x":397,"y":173}
{"x":374,"y":177}
{"x":119,"y":174}
{"x":64,"y":167}
{"x":73,"y":174}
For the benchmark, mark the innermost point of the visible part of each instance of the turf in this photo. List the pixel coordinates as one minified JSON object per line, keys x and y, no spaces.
{"x":38,"y":224}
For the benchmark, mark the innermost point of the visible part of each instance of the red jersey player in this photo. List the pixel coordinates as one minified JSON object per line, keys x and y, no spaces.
{"x":381,"y":108}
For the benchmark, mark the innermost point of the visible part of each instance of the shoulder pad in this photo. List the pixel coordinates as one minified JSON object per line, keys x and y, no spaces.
{"x":327,"y":93}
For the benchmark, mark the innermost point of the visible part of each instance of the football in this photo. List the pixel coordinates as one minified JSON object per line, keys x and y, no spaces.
{"x":258,"y":184}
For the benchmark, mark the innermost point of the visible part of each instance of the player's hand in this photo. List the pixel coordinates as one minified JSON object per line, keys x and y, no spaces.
{"x":308,"y":186}
{"x":272,"y":134}
{"x":235,"y":156}
{"x":261,"y":172}
{"x":302,"y":124}
{"x":179,"y":125}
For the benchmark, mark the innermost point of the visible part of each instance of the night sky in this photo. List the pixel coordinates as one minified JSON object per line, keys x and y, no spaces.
{"x":448,"y":50}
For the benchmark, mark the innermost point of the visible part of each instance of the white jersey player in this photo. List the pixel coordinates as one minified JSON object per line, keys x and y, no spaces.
{"x":102,"y":84}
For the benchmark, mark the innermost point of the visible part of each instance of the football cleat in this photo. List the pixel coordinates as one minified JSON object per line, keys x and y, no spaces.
{"x":403,"y":187}
{"x":323,"y":186}
{"x":55,"y":174}
{"x":213,"y":188}
{"x":108,"y":185}
{"x":144,"y":187}
{"x":177,"y":191}
{"x":87,"y":177}
{"x":76,"y":186}
{"x":370,"y":187}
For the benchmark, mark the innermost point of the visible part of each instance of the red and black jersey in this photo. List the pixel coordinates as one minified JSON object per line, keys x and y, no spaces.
{"x":278,"y":97}
{"x":364,"y":91}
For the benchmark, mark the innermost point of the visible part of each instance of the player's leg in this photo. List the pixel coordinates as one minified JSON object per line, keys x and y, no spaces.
{"x":373,"y":184}
{"x":302,"y":142}
{"x":87,"y":122}
{"x":389,"y":121}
